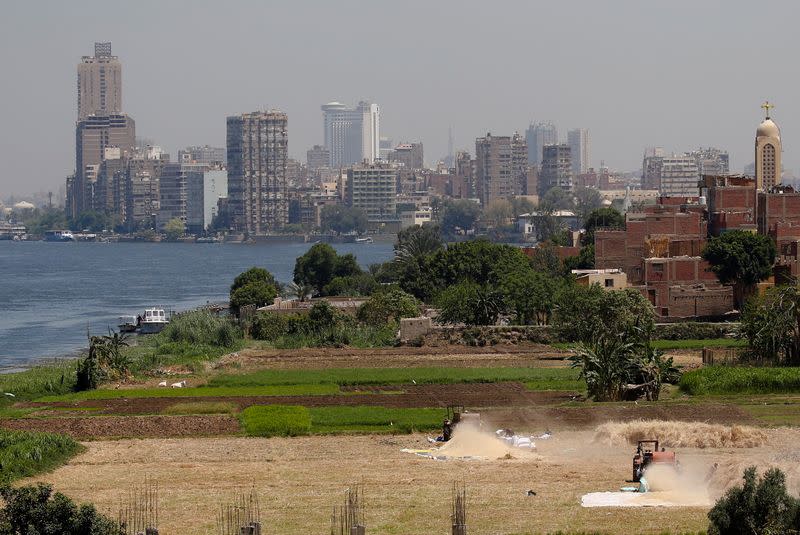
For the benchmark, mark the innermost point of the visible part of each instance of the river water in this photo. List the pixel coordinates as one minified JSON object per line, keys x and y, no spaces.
{"x":52,"y":293}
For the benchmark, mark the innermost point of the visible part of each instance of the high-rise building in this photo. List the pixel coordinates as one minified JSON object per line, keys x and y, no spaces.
{"x":93,"y":135}
{"x":556,"y":170}
{"x":672,"y":176}
{"x":711,"y":161}
{"x":142,"y":191}
{"x":205,"y":155}
{"x":373,"y":188}
{"x":519,"y":164}
{"x":257,"y":145}
{"x":408,"y":154}
{"x":578,"y":141}
{"x":768,"y":152}
{"x":538,"y":135}
{"x":494,"y":172}
{"x":317,"y":157}
{"x":181,"y":195}
{"x":99,"y":83}
{"x":352,"y":135}
{"x":465,"y":174}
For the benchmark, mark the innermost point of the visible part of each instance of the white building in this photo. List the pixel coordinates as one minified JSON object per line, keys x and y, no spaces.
{"x":352,"y":135}
{"x":578,"y":141}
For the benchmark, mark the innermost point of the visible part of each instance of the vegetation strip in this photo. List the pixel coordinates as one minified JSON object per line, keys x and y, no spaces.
{"x":199,"y":392}
{"x":289,"y":420}
{"x":721,"y":380}
{"x":25,"y":454}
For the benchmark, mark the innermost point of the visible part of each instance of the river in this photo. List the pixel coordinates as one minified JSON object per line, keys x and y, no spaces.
{"x":53,"y":293}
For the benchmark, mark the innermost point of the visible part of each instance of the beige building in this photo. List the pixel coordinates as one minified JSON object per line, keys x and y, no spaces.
{"x":768,"y":152}
{"x":373,"y":188}
{"x":257,"y":166}
{"x":609,"y":279}
{"x":99,"y":83}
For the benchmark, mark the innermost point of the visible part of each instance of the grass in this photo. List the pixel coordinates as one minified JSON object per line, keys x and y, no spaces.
{"x":275,"y":420}
{"x":199,"y":392}
{"x":336,"y":420}
{"x":665,"y":345}
{"x":724,"y":380}
{"x":698,"y":344}
{"x":775,"y":414}
{"x":201,"y":407}
{"x":536,"y":377}
{"x":24,"y":454}
{"x":49,"y":379}
{"x":287,"y":420}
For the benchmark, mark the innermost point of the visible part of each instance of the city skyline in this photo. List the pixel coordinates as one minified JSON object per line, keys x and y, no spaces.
{"x":181,"y":89}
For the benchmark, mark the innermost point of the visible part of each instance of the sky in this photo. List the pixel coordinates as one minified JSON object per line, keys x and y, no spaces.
{"x":639,"y":73}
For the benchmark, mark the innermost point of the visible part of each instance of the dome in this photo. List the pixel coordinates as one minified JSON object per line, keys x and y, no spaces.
{"x":24,"y":205}
{"x":768,"y":128}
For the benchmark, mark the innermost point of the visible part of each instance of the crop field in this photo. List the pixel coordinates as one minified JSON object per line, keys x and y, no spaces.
{"x":24,"y":454}
{"x":723,"y":380}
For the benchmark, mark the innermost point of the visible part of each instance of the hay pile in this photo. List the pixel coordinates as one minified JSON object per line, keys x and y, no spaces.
{"x":673,"y":434}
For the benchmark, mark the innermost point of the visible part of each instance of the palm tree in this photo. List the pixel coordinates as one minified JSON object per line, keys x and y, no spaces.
{"x":606,"y":363}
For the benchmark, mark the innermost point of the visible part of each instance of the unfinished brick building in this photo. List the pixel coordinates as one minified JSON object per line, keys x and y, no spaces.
{"x":660,"y":250}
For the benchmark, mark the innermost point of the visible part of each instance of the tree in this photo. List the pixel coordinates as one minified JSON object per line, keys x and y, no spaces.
{"x":584,"y":313}
{"x":584,"y":259}
{"x":606,"y":363}
{"x":256,"y":286}
{"x":557,"y":198}
{"x":321,"y":264}
{"x":741,"y":258}
{"x":360,"y":284}
{"x":458,"y":215}
{"x":586,"y":201}
{"x":601,"y":218}
{"x":759,"y":507}
{"x":174,"y":229}
{"x":388,"y":306}
{"x":36,"y":510}
{"x":470,"y":303}
{"x":498,"y":212}
{"x":521,"y":205}
{"x":530,"y":295}
{"x":771,"y":326}
{"x":341,"y":219}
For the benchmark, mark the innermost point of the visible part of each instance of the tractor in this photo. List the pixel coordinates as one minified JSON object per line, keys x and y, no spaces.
{"x":647,"y":453}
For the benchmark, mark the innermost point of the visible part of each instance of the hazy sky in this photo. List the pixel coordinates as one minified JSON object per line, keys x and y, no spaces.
{"x":635,"y":73}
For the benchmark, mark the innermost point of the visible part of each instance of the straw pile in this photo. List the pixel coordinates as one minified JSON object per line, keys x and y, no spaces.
{"x":674,"y":434}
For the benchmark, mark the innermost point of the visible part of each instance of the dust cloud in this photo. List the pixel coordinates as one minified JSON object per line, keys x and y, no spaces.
{"x":470,"y":440}
{"x":674,"y":434}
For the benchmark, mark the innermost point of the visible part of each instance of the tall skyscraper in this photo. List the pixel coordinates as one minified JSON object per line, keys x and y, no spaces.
{"x":352,"y":135}
{"x":99,"y":83}
{"x":556,"y":168}
{"x":538,"y":135}
{"x":257,"y":145}
{"x":494,"y":171}
{"x":578,"y":141}
{"x":768,"y":152}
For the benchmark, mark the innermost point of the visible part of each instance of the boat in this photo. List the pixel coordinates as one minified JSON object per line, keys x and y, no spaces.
{"x":152,"y":321}
{"x":127,"y":324}
{"x":368,"y":239}
{"x":208,"y":239}
{"x":58,"y":235}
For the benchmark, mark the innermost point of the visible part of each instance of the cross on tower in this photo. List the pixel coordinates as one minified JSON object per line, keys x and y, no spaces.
{"x":767,"y":106}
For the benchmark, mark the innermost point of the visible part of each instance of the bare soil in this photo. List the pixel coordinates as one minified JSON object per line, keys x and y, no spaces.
{"x":299,"y":481}
{"x":104,"y":427}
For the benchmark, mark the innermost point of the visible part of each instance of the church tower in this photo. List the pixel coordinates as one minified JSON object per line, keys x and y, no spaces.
{"x":768,"y":152}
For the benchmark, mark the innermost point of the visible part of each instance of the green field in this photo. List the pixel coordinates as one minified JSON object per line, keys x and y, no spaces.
{"x":665,"y":345}
{"x":199,"y":392}
{"x":24,"y":454}
{"x":540,"y":378}
{"x":724,"y":380}
{"x":281,"y":420}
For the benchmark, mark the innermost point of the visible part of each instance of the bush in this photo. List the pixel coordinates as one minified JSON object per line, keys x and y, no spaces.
{"x":757,"y":507}
{"x":470,"y":303}
{"x":256,"y":286}
{"x":388,"y":306}
{"x":201,"y":327}
{"x":585,"y":313}
{"x":725,"y":380}
{"x":269,"y":326}
{"x":276,"y":420}
{"x":693,"y":331}
{"x":24,"y":454}
{"x":36,"y":510}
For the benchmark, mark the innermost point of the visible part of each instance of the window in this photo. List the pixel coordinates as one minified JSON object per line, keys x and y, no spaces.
{"x":609,"y":283}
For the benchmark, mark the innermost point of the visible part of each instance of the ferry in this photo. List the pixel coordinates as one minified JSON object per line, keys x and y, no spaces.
{"x":58,"y":235}
{"x":368,"y":239}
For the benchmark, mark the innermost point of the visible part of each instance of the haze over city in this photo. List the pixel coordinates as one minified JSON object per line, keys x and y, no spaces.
{"x":635,"y":74}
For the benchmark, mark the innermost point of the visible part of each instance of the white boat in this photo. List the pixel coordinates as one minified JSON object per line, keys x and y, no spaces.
{"x":368,"y":239}
{"x":152,"y":321}
{"x":58,"y":235}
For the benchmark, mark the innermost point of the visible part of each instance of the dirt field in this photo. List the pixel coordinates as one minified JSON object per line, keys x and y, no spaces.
{"x":299,"y":480}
